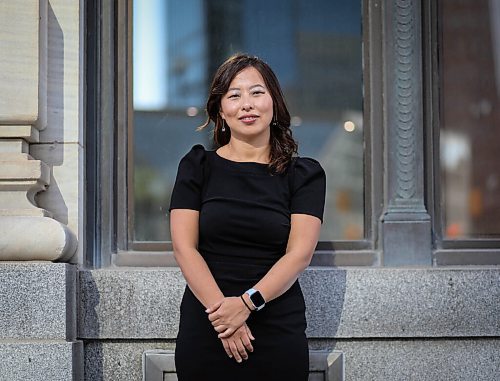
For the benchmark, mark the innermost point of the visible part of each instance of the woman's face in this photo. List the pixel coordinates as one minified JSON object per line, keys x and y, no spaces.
{"x":247,"y":107}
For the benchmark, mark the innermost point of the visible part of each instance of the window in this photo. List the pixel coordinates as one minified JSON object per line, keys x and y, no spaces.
{"x":470,"y":118}
{"x":315,"y":48}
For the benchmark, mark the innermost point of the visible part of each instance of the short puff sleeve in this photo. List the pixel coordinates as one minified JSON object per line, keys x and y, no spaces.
{"x":189,"y":181}
{"x":308,"y":188}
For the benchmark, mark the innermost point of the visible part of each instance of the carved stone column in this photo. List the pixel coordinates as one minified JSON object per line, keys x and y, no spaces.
{"x":405,"y":223}
{"x":27,"y":231}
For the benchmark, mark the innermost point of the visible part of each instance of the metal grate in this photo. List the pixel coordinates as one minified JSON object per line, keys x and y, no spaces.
{"x":159,"y":365}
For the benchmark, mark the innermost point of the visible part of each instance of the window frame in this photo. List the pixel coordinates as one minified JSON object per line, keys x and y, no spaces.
{"x":111,"y":177}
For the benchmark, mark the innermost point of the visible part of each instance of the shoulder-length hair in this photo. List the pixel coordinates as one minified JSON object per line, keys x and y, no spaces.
{"x":283,"y":146}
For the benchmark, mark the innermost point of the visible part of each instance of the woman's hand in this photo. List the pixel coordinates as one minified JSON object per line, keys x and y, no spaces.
{"x":239,"y":343}
{"x":228,"y":315}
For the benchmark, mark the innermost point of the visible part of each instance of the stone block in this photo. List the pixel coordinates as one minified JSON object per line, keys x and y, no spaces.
{"x":353,"y":303}
{"x":406,"y":243}
{"x":118,"y":360}
{"x":130,"y":303}
{"x":389,"y":302}
{"x":364,"y":360}
{"x":14,"y":146}
{"x":23,"y":62}
{"x":37,"y":301}
{"x":26,"y":132}
{"x":43,"y":360}
{"x":423,"y":360}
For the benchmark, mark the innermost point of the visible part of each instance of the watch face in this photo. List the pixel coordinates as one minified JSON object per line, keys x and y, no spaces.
{"x":257,"y":299}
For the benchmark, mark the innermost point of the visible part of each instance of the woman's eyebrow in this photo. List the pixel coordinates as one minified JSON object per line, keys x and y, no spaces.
{"x":251,"y":87}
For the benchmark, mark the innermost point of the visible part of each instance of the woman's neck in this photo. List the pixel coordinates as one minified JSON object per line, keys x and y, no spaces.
{"x":238,"y":150}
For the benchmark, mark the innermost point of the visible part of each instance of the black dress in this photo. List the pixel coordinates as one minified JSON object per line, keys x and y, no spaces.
{"x":243,"y":230}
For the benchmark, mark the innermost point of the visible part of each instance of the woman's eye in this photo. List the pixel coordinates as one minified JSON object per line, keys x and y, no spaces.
{"x":258,"y":92}
{"x":233,"y":96}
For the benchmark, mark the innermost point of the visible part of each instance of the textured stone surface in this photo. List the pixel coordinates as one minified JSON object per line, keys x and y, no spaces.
{"x":130,"y":303}
{"x":23,"y":29}
{"x":27,"y":238}
{"x":403,"y":302}
{"x":37,"y":300}
{"x":45,"y":360}
{"x":65,"y":86}
{"x":121,"y":360}
{"x":137,"y":303}
{"x":421,"y":360}
{"x":63,"y":197}
{"x":369,"y":360}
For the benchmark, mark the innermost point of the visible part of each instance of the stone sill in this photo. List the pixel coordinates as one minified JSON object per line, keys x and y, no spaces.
{"x":126,"y":303}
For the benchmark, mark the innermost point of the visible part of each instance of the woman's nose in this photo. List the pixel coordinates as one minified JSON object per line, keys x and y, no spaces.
{"x":247,"y":104}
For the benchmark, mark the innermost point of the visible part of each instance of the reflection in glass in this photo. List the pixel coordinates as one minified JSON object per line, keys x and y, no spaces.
{"x":315,"y":49}
{"x":470,"y":128}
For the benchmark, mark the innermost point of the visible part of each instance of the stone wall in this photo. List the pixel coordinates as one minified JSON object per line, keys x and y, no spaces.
{"x":391,"y":324}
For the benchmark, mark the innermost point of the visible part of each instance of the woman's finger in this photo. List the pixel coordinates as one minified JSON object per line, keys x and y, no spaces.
{"x":213,"y":316}
{"x":223,"y":334}
{"x":225,"y":344}
{"x":217,"y":322}
{"x":220,"y":329}
{"x":246,"y":342}
{"x":234,"y":351}
{"x":249,"y":333}
{"x":214,"y":307}
{"x":242,"y":351}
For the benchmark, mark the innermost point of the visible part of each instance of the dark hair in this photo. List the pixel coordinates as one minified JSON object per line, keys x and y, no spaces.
{"x":283,"y":146}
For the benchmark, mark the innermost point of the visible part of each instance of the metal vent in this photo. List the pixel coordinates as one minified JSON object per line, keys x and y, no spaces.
{"x":159,"y":365}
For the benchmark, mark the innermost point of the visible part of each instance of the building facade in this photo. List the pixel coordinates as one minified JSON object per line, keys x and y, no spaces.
{"x":398,"y":100}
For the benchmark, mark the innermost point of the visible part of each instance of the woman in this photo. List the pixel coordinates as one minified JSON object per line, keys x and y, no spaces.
{"x":245,"y":220}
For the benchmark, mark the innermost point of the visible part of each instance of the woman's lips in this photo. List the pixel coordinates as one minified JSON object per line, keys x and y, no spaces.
{"x":248,"y":118}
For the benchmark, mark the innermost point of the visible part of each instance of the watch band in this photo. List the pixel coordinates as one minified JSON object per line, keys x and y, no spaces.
{"x":256,"y":299}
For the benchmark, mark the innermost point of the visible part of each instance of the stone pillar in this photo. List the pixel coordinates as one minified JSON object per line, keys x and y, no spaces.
{"x":38,"y":298}
{"x":28,"y":231}
{"x":406,"y":224}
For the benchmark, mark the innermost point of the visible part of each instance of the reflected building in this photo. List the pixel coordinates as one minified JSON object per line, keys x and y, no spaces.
{"x":315,"y":50}
{"x":470,"y":136}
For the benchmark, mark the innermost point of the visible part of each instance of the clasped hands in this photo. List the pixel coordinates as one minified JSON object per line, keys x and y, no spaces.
{"x":228,"y":318}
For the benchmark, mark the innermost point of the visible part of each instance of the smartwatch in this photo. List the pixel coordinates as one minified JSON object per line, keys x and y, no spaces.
{"x":256,"y":298}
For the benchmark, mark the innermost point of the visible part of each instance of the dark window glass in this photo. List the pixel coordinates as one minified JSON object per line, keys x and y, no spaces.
{"x":315,"y":49}
{"x":470,"y":128}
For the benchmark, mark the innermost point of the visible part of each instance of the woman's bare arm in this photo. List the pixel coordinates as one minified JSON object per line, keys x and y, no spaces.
{"x":184,"y":226}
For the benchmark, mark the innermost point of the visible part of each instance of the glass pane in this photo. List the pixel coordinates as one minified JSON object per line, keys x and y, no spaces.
{"x":315,"y":49}
{"x":470,"y":128}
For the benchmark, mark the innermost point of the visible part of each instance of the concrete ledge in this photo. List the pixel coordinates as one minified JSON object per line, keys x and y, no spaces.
{"x":43,"y":360}
{"x":352,"y":303}
{"x":37,"y":301}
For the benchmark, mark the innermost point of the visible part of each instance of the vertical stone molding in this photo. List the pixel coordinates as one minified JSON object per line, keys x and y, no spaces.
{"x":23,"y":63}
{"x":28,"y":232}
{"x":405,"y":223}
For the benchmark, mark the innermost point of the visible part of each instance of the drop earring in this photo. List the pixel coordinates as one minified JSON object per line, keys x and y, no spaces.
{"x":223,"y":129}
